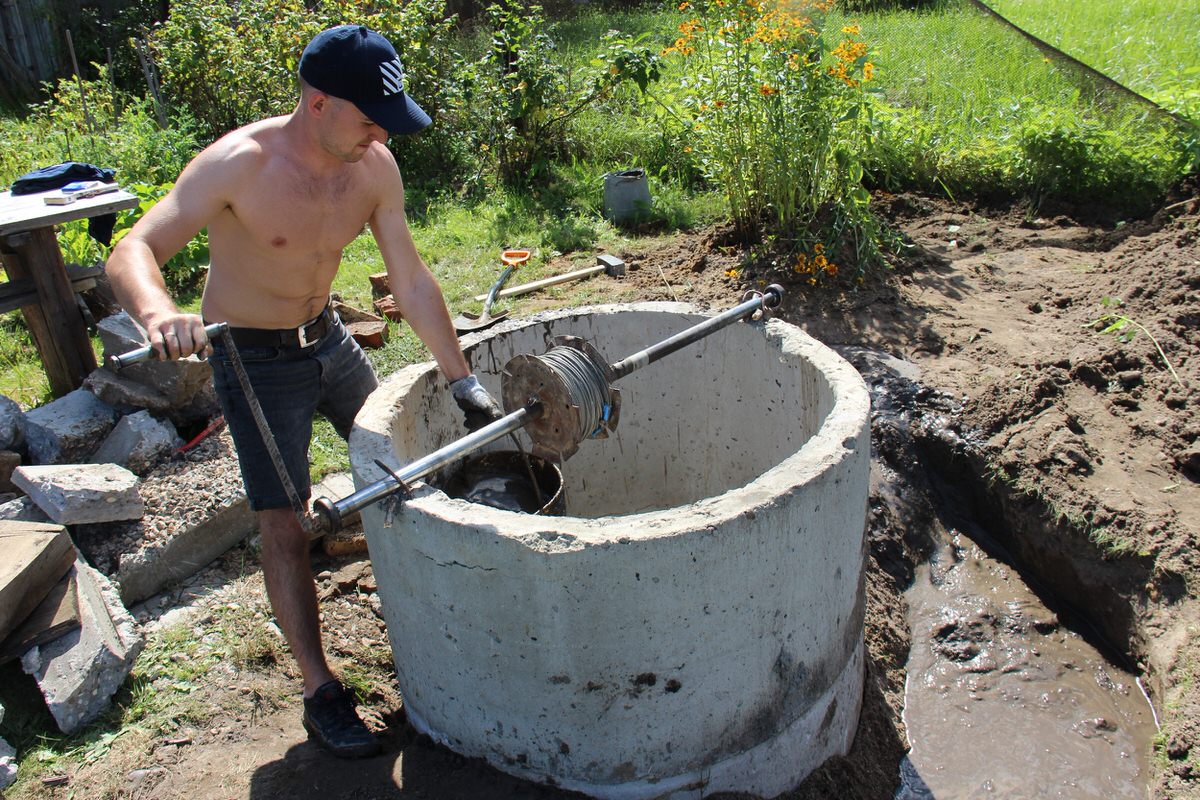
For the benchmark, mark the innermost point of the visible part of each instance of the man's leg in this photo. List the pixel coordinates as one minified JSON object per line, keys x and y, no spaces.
{"x":293,"y":595}
{"x":329,"y":715}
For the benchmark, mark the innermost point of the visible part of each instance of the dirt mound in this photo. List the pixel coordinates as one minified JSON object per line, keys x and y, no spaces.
{"x":1073,"y":343}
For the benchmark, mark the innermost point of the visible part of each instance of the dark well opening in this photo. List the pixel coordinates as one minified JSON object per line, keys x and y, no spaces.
{"x":502,"y":479}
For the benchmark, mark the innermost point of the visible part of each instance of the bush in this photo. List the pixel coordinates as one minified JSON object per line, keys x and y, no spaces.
{"x":118,"y":131}
{"x":778,"y":121}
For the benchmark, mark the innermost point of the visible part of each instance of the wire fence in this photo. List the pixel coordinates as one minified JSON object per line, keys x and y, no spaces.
{"x":970,"y":94}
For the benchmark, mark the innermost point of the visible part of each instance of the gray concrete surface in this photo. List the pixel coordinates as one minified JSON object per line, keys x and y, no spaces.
{"x":68,"y":429}
{"x":79,"y":672}
{"x":694,"y":624}
{"x":72,"y":494}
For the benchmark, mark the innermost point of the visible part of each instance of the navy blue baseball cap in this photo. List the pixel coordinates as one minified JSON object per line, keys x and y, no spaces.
{"x":359,"y":65}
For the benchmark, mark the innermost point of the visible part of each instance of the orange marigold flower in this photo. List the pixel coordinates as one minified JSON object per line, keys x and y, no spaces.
{"x":868,"y":71}
{"x":718,"y":104}
{"x":831,"y":269}
{"x":767,"y":90}
{"x":685,"y":5}
{"x":731,"y":273}
{"x":854,"y":29}
{"x":818,"y":248}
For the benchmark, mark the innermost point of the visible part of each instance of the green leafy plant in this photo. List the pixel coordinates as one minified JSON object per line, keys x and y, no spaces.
{"x":777,"y":116}
{"x":1126,"y":329}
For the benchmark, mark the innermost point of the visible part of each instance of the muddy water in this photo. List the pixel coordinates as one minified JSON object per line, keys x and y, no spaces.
{"x":1002,"y":699}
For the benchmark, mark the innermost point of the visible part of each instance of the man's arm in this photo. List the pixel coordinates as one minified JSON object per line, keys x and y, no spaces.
{"x":415,"y":290}
{"x":135,"y":265}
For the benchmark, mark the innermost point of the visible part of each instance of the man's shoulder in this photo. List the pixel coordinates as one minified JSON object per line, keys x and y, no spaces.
{"x":246,"y":144}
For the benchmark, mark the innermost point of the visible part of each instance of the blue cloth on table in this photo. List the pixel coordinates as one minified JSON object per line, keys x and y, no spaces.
{"x":57,"y":176}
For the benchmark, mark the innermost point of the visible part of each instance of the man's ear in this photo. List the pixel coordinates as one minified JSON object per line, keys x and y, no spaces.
{"x":318,"y":103}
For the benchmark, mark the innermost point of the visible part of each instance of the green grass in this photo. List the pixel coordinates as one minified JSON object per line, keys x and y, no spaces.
{"x":971,"y":107}
{"x":1149,"y":46}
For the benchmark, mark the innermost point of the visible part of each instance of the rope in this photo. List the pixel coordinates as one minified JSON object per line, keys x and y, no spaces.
{"x":585,"y":381}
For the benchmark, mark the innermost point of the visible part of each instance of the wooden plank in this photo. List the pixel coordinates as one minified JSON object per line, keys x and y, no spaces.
{"x":16,"y":294}
{"x":27,"y":212}
{"x":56,"y":615}
{"x":55,"y":322}
{"x":33,"y":557}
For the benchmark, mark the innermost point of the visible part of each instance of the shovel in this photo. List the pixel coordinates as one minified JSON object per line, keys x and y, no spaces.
{"x":467,"y":322}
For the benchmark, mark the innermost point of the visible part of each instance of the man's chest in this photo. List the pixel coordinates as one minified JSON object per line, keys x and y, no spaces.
{"x":285,"y":214}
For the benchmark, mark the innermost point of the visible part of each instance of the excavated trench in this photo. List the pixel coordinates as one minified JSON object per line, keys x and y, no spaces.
{"x":1012,"y":688}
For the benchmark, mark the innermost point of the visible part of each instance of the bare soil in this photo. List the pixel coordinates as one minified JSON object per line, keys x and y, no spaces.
{"x":1087,"y":447}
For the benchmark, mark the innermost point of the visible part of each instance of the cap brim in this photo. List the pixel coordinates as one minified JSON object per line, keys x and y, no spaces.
{"x":398,"y":114}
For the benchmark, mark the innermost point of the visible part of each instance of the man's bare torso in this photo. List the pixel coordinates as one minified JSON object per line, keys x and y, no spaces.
{"x":277,"y":244}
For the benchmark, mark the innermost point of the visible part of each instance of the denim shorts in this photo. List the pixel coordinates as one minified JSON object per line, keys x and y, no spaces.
{"x":291,"y":384}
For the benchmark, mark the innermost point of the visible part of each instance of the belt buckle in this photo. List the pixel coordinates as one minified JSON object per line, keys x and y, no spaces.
{"x":302,"y":331}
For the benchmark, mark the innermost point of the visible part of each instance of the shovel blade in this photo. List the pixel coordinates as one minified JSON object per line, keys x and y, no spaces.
{"x":467,"y":322}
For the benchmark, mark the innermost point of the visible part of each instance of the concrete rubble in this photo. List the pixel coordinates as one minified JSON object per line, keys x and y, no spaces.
{"x":79,"y":493}
{"x":12,"y":424}
{"x":67,"y":430}
{"x":138,"y":442}
{"x":78,"y":673}
{"x":8,"y":760}
{"x":185,"y":383}
{"x":23,"y":509}
{"x":124,"y":394}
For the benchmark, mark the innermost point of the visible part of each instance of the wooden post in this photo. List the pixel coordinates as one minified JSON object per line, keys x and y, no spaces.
{"x":87,"y":115}
{"x":55,"y":321}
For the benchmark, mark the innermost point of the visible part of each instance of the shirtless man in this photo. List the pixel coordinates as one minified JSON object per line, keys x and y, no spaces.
{"x":281,"y":198}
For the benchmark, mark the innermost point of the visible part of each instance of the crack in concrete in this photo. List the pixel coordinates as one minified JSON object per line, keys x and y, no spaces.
{"x":458,"y":564}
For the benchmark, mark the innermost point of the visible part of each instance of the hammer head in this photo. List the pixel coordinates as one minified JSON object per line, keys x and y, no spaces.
{"x":612,"y":265}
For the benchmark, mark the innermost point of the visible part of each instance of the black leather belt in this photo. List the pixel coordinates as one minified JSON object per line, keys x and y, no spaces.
{"x":306,"y":335}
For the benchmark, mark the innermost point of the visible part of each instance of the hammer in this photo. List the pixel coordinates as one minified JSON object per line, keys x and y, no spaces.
{"x":610,"y":265}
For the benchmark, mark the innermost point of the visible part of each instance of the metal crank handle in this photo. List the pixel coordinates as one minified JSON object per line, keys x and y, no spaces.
{"x":771,"y":297}
{"x":145,"y":353}
{"x":330,"y":513}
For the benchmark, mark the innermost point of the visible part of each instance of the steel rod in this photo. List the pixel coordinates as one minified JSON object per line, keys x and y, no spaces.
{"x":768,"y":299}
{"x":144,"y":353}
{"x":335,"y":510}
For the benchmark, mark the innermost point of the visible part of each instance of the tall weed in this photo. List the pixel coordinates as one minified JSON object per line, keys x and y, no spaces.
{"x":776,"y":114}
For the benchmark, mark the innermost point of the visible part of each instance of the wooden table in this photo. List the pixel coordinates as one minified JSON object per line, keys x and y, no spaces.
{"x":40,"y":285}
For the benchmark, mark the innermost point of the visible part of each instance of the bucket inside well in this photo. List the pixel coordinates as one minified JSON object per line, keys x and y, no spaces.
{"x":504,"y":479}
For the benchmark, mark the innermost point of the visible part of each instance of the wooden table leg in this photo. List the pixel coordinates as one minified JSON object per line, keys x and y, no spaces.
{"x":55,"y":322}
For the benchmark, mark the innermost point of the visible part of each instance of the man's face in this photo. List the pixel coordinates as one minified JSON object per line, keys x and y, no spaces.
{"x":347,"y":133}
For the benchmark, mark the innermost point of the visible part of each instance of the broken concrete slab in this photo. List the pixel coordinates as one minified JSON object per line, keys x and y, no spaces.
{"x":76,"y":493}
{"x":12,"y":424}
{"x":125,"y":394}
{"x":350,"y":539}
{"x":138,"y":443}
{"x":148,"y":572}
{"x":68,"y":429}
{"x":79,"y":672}
{"x":23,"y":509}
{"x":177,"y":380}
{"x":8,"y":763}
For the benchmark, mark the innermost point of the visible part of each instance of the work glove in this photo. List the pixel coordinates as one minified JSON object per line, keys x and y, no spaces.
{"x":479,"y":407}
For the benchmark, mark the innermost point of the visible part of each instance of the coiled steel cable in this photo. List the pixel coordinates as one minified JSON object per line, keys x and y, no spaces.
{"x":586,"y":383}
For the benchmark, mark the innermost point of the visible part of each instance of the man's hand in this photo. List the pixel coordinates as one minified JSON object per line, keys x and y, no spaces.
{"x":479,"y":407}
{"x":178,"y":336}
